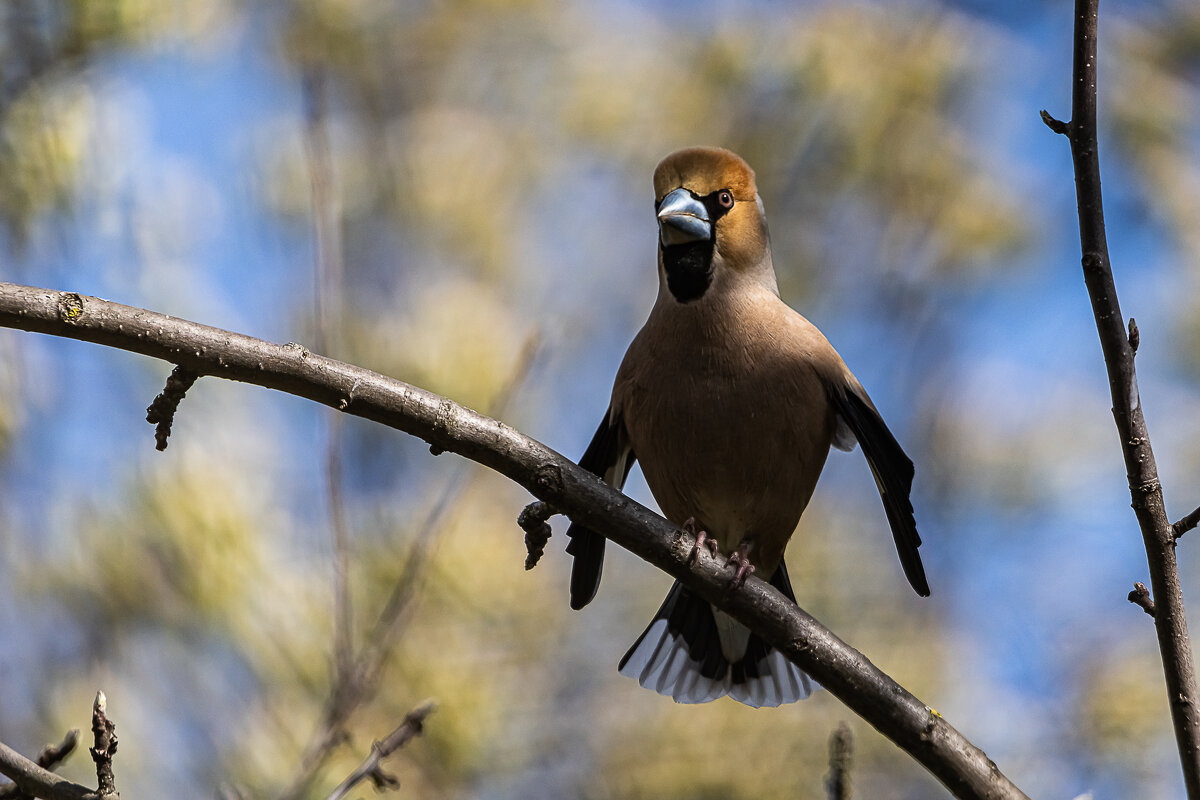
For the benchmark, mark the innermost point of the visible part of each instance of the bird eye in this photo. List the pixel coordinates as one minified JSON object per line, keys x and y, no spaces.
{"x":725,"y":198}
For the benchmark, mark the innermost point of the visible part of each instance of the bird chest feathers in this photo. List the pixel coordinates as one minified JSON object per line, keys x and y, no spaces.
{"x":711,"y":416}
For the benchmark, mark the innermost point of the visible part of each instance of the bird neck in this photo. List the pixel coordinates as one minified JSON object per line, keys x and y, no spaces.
{"x":712,"y":281}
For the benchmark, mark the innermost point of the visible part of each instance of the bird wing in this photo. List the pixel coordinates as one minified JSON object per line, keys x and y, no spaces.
{"x":893,"y":471}
{"x":609,"y":457}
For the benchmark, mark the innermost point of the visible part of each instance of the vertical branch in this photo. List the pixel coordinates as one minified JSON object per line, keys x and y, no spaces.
{"x":358,"y":684}
{"x":1119,"y":347}
{"x":326,"y":216}
{"x":841,"y":759}
{"x":105,"y":734}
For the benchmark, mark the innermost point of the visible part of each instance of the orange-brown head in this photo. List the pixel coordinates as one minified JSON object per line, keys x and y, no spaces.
{"x":710,"y":219}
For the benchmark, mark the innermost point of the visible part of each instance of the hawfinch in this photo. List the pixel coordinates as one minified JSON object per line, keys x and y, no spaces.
{"x":730,"y":400}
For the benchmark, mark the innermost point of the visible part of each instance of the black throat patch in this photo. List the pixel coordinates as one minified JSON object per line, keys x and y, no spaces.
{"x":690,"y":266}
{"x":689,"y":269}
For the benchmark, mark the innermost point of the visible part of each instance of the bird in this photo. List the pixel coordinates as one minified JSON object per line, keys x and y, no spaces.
{"x":730,"y":401}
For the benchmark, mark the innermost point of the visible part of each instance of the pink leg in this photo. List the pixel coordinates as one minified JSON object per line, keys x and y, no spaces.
{"x":740,"y":558}
{"x":702,"y":540}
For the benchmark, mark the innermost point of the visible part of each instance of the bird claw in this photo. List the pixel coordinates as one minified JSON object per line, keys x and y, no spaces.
{"x":702,"y":540}
{"x":741,"y":560}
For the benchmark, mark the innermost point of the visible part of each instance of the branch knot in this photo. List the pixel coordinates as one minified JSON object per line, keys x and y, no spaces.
{"x":70,"y":308}
{"x":548,"y":478}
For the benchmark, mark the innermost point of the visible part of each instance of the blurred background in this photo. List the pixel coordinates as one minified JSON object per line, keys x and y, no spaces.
{"x":458,"y":194}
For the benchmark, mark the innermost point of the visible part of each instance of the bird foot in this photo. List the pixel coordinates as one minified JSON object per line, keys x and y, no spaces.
{"x":741,"y":560}
{"x":702,"y":541}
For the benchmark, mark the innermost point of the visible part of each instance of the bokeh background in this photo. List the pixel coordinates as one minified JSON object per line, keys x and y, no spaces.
{"x":481,"y":226}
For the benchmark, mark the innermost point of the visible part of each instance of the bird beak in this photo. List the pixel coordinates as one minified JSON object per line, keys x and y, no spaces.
{"x":682,"y":219}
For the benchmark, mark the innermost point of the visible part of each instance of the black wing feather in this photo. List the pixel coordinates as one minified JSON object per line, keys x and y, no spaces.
{"x":603,"y":459}
{"x":893,"y":472}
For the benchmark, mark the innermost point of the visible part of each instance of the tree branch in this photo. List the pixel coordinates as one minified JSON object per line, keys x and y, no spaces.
{"x":841,"y":759}
{"x":372,"y":767}
{"x":105,"y":747}
{"x":49,"y":758}
{"x":161,"y":412}
{"x":36,"y":781}
{"x":1184,"y":525}
{"x":360,"y":681}
{"x":1118,"y":346}
{"x":1140,"y":597}
{"x":445,"y":425}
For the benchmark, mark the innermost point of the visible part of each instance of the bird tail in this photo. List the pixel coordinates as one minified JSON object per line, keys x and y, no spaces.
{"x":680,"y":655}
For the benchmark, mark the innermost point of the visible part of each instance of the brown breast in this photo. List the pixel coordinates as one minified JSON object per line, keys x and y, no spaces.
{"x":728,"y":414}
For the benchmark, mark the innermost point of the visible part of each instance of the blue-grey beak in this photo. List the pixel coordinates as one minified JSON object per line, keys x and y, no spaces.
{"x":682,"y":219}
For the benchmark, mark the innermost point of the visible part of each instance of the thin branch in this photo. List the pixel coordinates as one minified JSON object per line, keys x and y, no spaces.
{"x":54,"y":754}
{"x":36,"y":781}
{"x":843,"y":671}
{"x":1184,"y":525}
{"x":360,"y":682}
{"x":1140,"y":596}
{"x":161,"y":412}
{"x":105,"y":747}
{"x":372,"y":767}
{"x":51,"y":756}
{"x":326,"y":221}
{"x":841,"y":759}
{"x":391,"y":620}
{"x":1118,"y":345}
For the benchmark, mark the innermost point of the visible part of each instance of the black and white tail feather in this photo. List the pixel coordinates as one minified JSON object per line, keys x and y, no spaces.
{"x":681,"y":655}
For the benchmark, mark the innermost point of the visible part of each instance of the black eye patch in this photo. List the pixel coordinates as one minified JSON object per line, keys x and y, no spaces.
{"x":717,"y":203}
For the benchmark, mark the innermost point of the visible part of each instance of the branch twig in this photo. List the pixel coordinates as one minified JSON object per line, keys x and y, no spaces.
{"x":372,"y":767}
{"x":1140,"y":596}
{"x":841,"y":759}
{"x":361,"y":680}
{"x":161,"y":412}
{"x":36,"y":781}
{"x":54,"y":754}
{"x":1184,"y":525}
{"x":105,"y":748}
{"x":1119,"y":345}
{"x":327,"y":284}
{"x":50,"y":757}
{"x":843,"y":671}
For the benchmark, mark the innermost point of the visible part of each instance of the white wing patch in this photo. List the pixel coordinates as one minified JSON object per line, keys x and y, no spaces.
{"x":615,"y":475}
{"x":843,"y":437}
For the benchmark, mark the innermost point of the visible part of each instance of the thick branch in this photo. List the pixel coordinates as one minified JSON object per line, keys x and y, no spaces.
{"x":445,"y":425}
{"x":1119,"y":346}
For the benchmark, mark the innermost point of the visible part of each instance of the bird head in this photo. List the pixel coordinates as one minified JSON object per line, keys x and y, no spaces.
{"x":710,"y":221}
